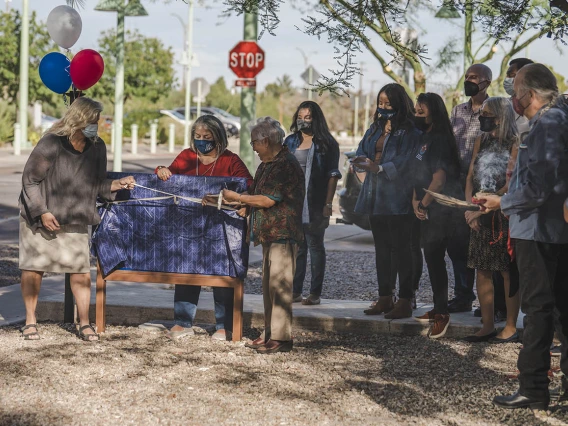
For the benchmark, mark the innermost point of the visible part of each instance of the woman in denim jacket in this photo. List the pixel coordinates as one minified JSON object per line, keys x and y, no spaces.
{"x":318,"y":154}
{"x":386,"y":196}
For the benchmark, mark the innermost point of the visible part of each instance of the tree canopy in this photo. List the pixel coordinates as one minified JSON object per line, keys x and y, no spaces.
{"x":149,"y":72}
{"x":40,"y":45}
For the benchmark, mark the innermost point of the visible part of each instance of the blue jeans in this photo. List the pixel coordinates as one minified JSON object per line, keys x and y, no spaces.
{"x":313,"y":241}
{"x":185,"y":306}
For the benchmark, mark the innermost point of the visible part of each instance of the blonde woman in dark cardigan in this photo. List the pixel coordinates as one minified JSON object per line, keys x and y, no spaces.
{"x":62,"y":178}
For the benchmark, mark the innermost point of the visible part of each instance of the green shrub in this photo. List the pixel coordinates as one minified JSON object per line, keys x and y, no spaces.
{"x":7,"y":120}
{"x":143,"y":119}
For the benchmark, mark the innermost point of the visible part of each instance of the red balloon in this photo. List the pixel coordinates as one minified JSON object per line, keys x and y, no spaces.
{"x":87,"y":68}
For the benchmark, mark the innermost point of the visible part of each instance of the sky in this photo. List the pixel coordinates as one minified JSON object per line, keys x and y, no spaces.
{"x":214,"y":37}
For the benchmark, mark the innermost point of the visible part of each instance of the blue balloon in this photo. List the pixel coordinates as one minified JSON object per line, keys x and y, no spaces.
{"x":54,"y":72}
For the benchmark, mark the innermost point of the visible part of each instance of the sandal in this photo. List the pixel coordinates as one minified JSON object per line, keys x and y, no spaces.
{"x":88,"y":337}
{"x":30,"y":336}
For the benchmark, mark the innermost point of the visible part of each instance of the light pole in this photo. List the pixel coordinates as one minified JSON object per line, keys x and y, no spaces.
{"x":310,"y":70}
{"x":133,"y":8}
{"x":24,"y":80}
{"x":188,"y":73}
{"x":185,"y":46}
{"x":8,"y":5}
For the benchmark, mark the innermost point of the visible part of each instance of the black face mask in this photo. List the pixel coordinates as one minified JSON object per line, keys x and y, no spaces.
{"x":420,"y":123}
{"x":471,"y":88}
{"x":487,"y":124}
{"x":304,"y":127}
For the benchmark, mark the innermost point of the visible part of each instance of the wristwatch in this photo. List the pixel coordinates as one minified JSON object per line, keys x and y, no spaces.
{"x":330,"y":205}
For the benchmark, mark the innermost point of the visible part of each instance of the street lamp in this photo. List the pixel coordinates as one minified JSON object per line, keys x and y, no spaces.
{"x":24,"y":79}
{"x":185,"y":46}
{"x":133,"y":8}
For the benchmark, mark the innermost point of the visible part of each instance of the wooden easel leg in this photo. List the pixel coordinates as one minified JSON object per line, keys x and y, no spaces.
{"x":238,"y":311}
{"x":68,"y":305}
{"x":100,"y":310}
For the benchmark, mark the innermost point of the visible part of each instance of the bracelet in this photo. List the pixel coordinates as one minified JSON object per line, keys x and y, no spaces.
{"x":422,"y":206}
{"x":330,"y":205}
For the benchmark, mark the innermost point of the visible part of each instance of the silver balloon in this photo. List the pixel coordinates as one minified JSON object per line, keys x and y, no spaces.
{"x":64,"y":26}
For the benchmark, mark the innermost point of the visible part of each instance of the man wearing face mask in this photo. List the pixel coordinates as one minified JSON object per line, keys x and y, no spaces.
{"x":514,"y":66}
{"x":466,"y":127}
{"x":534,"y":202}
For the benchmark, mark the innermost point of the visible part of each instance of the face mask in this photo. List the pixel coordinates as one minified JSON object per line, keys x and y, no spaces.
{"x":508,"y":86}
{"x":386,"y":114}
{"x":91,"y":131}
{"x":203,"y":146}
{"x":420,"y":123}
{"x":471,"y":88}
{"x":487,"y":124}
{"x":304,"y":126}
{"x":517,"y":106}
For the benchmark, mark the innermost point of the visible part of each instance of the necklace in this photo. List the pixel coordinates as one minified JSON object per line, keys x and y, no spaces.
{"x":209,"y":170}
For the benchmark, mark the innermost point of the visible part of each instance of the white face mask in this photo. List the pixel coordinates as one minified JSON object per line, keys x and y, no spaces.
{"x":91,"y":131}
{"x":508,"y":86}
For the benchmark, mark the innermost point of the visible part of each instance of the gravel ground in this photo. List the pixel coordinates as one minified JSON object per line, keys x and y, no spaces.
{"x":137,"y":378}
{"x":350,"y":276}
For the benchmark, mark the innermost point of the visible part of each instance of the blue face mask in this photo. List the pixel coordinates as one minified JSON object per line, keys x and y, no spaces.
{"x":386,"y":114}
{"x":91,"y":131}
{"x":203,"y":146}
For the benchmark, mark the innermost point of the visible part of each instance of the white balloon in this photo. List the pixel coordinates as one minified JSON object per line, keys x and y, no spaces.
{"x":64,"y":26}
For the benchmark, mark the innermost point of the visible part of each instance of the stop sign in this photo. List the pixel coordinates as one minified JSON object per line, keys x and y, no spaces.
{"x":246,"y":59}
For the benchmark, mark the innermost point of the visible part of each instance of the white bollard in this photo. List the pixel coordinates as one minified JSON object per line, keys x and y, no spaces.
{"x":112,"y":137}
{"x":153,"y":137}
{"x":17,"y":139}
{"x":172,"y":141}
{"x":134,"y":137}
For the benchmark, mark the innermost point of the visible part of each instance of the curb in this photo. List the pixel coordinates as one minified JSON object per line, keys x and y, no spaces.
{"x":303,"y":320}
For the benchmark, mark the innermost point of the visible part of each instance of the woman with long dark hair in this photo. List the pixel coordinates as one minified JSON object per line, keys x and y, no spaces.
{"x":386,"y":196}
{"x":318,"y":154}
{"x":436,"y":167}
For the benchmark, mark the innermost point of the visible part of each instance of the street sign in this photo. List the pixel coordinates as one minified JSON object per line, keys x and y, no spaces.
{"x":198,"y":91}
{"x":245,"y":82}
{"x":314,"y":77}
{"x":246,"y":59}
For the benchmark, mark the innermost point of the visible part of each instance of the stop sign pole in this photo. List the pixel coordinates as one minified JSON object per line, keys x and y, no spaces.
{"x":248,"y":99}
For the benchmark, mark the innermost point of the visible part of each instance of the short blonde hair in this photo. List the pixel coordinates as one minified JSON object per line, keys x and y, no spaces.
{"x":82,"y":112}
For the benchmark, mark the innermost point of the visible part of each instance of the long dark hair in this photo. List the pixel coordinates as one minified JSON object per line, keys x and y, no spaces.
{"x":322,"y":136}
{"x":442,"y":126}
{"x":401,"y":102}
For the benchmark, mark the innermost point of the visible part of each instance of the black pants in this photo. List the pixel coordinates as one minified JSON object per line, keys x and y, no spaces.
{"x":499,"y":292}
{"x":392,"y":235}
{"x":543,"y":272}
{"x":417,"y":259}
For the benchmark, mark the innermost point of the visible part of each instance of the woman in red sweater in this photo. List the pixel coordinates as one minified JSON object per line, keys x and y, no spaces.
{"x":207,"y":156}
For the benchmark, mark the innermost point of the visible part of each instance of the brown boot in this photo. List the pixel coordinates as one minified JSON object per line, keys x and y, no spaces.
{"x":383,"y":305}
{"x":402,"y":309}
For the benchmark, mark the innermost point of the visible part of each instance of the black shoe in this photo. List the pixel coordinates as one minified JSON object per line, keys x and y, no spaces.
{"x":477,"y":313}
{"x":519,"y":401}
{"x":513,"y":339}
{"x":459,"y":306}
{"x":479,"y":339}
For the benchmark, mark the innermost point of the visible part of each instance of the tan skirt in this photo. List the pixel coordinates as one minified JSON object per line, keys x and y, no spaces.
{"x":63,"y":251}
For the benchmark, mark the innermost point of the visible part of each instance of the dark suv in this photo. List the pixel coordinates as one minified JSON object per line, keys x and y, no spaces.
{"x":352,"y":182}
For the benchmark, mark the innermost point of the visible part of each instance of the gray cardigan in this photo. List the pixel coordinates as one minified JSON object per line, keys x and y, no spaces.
{"x":65,"y":182}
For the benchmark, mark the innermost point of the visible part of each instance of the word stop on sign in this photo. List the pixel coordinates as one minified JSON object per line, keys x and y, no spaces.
{"x":248,"y":60}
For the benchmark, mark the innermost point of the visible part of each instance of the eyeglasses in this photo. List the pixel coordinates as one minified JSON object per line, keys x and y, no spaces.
{"x":253,"y":142}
